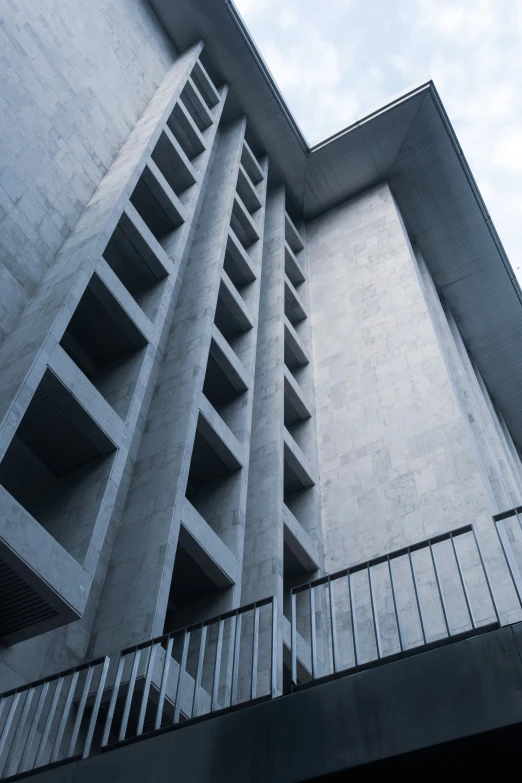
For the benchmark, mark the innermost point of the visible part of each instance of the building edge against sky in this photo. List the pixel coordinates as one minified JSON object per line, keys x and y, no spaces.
{"x":230,"y":363}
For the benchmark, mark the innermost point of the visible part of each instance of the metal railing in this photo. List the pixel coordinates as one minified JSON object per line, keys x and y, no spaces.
{"x":209,"y":666}
{"x":508,"y":525}
{"x":52,"y":719}
{"x":419,"y":595}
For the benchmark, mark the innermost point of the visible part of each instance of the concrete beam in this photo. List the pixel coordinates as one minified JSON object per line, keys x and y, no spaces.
{"x":294,"y":300}
{"x":251,"y":165}
{"x":240,"y":256}
{"x":197,"y":105}
{"x":127,"y":302}
{"x":292,"y":266}
{"x":103,"y":416}
{"x":296,"y":396}
{"x":247,"y":191}
{"x":206,"y":548}
{"x":138,"y":232}
{"x":299,"y":542}
{"x":295,"y":344}
{"x":43,"y":565}
{"x":292,"y":235}
{"x":297,"y":461}
{"x":219,"y":436}
{"x":235,"y":303}
{"x":228,"y":362}
{"x":243,"y":216}
{"x":166,"y":197}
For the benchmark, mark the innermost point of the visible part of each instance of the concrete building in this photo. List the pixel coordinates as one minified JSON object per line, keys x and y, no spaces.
{"x":266,"y":392}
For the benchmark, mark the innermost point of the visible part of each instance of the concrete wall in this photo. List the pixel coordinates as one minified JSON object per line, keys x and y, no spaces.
{"x":75,"y":80}
{"x":398,"y":460}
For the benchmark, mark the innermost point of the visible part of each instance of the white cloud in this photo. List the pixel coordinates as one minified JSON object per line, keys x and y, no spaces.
{"x":339,"y":59}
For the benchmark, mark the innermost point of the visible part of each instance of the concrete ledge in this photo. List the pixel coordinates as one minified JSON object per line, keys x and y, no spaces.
{"x":124,"y":299}
{"x":191,"y":130}
{"x":298,"y":540}
{"x":206,"y":548}
{"x":245,"y":219}
{"x":295,"y":344}
{"x":205,"y":84}
{"x":296,"y":395}
{"x":297,"y":461}
{"x":145,"y":242}
{"x":234,"y":302}
{"x":293,"y":267}
{"x":43,"y":565}
{"x":166,"y":197}
{"x":292,"y":235}
{"x":250,"y":164}
{"x":247,"y":191}
{"x":178,"y":162}
{"x":294,"y":300}
{"x":240,"y":256}
{"x":103,"y":416}
{"x":194,"y":98}
{"x":219,"y":436}
{"x":228,"y":361}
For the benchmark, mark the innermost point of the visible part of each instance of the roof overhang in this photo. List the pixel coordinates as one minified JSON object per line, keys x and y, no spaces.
{"x":410,"y":143}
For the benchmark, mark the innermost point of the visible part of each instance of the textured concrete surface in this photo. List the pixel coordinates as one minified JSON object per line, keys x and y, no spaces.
{"x":397,"y":460}
{"x":63,"y":121}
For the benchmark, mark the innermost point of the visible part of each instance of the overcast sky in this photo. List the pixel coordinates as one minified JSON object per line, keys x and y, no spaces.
{"x":335,"y":60}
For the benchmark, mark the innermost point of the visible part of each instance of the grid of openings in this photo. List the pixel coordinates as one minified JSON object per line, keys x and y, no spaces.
{"x":59,"y":461}
{"x":214,"y":480}
{"x":297,"y":410}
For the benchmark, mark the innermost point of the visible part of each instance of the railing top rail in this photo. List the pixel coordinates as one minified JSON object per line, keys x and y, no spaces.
{"x":197,"y":626}
{"x":57,"y":676}
{"x":384,"y":558}
{"x":509,"y":513}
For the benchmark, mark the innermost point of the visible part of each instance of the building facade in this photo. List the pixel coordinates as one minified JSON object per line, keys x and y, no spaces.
{"x":231,"y":365}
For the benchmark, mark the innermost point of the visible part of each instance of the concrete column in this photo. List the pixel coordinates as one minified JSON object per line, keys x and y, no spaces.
{"x":146,"y":542}
{"x":263,"y":556}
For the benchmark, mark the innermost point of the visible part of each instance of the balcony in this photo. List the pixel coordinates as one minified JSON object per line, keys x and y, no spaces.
{"x":421,"y":599}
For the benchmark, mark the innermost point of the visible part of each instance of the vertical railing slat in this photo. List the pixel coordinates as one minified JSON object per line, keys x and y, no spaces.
{"x":163,"y":685}
{"x":18,"y":733}
{"x":353,"y":619}
{"x":96,"y":707}
{"x":9,"y":721}
{"x":463,"y":582}
{"x":273,"y":663}
{"x":313,"y":637}
{"x":333,"y":627}
{"x":80,"y":711}
{"x":65,"y":716}
{"x":417,"y":597}
{"x":146,"y":689}
{"x":490,"y":589}
{"x":255,"y":651}
{"x":112,"y":703}
{"x":182,"y":667}
{"x":395,"y":606}
{"x":235,"y":664}
{"x":217,"y":667}
{"x":441,"y":592}
{"x":49,"y":721}
{"x":130,"y":695}
{"x":199,"y":671}
{"x":34,"y":724}
{"x":374,"y":614}
{"x":293,"y":630}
